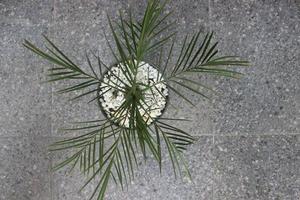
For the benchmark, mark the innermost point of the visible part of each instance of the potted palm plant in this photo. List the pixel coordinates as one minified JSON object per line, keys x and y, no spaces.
{"x":133,"y":93}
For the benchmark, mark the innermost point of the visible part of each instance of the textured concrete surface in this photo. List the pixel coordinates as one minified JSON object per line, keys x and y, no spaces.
{"x":248,"y":143}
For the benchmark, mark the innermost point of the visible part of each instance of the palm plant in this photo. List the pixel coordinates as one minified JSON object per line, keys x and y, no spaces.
{"x":106,"y":150}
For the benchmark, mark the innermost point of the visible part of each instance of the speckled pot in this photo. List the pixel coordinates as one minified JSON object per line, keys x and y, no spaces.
{"x":105,"y":113}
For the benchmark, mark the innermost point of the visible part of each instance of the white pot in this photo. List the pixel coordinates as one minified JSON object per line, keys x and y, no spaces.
{"x":111,"y":98}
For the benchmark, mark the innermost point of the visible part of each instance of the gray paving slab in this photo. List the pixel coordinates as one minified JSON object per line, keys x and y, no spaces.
{"x":257,"y":167}
{"x":35,"y":12}
{"x":266,"y":99}
{"x":92,"y":10}
{"x":25,"y":102}
{"x":263,"y":106}
{"x":24,"y":168}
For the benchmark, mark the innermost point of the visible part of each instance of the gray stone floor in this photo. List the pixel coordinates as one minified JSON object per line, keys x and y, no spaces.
{"x":248,"y":139}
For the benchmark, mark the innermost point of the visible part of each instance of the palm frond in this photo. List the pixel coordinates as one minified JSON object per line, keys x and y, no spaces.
{"x":67,"y":69}
{"x":134,"y":40}
{"x":197,"y":57}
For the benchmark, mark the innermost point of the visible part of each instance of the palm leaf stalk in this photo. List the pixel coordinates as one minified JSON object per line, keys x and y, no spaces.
{"x":108,"y":151}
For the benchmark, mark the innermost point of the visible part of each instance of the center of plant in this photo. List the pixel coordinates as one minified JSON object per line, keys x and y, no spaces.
{"x":119,"y":95}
